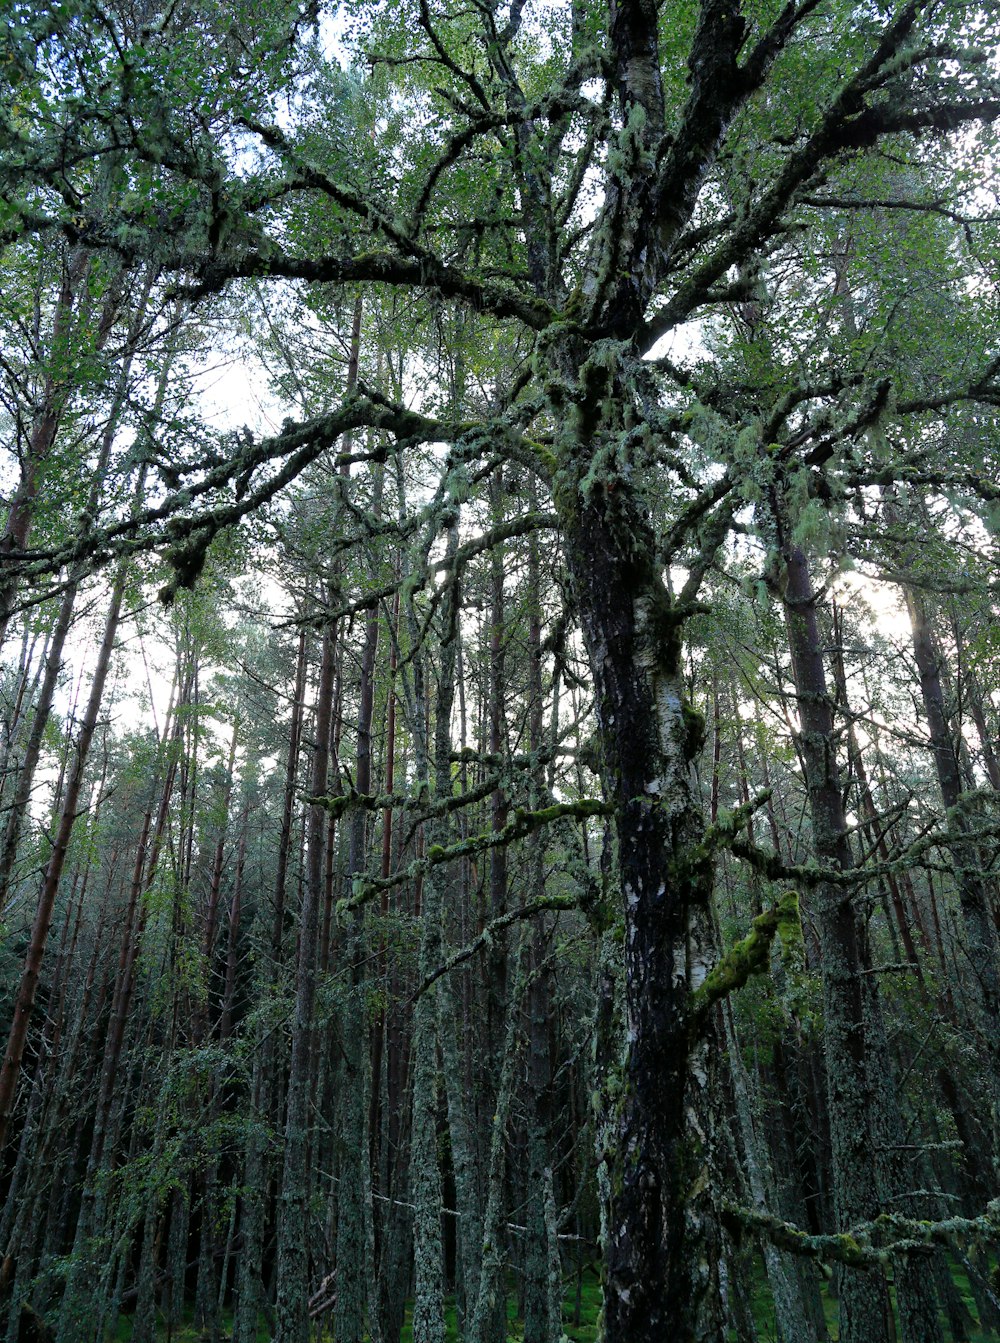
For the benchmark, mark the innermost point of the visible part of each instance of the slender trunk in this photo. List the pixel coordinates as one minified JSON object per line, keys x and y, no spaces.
{"x":215,"y":884}
{"x":872,"y":830}
{"x":794,"y":1324}
{"x":459,"y":1107}
{"x":266,"y":1084}
{"x":350,"y":1309}
{"x":496,"y":993}
{"x":288,"y":806}
{"x":864,"y":1122}
{"x":29,"y":674}
{"x":232,"y":940}
{"x":77,"y":1307}
{"x":18,"y":805}
{"x":25,"y":999}
{"x":395,"y":1249}
{"x":45,"y":424}
{"x":70,"y":341}
{"x":378,"y":1034}
{"x":543,"y":1265}
{"x":292,"y":1323}
{"x":425,"y":1172}
{"x":484,"y":1319}
{"x":863,"y":1299}
{"x":982,"y":956}
{"x":53,"y":662}
{"x":987,"y":739}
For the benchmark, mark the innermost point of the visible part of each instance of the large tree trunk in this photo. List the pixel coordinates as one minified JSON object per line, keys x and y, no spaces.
{"x":662,"y":1252}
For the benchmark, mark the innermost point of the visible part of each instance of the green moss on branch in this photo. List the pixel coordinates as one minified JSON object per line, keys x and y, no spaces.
{"x":868,"y":1244}
{"x":750,"y":956}
{"x":521,"y":823}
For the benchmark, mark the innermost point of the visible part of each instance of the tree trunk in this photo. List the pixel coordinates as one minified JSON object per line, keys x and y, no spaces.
{"x":293,"y":1220}
{"x":11,"y":1067}
{"x":662,"y":1249}
{"x":980,"y":933}
{"x":864,"y":1123}
{"x":349,"y":1315}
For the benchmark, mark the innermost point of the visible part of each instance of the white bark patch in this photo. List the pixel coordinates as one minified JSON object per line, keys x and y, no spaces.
{"x":699,"y":971}
{"x":669,"y":699}
{"x":680,"y":965}
{"x":668,"y":713}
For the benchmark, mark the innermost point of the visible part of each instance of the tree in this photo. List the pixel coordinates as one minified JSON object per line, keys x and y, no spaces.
{"x":566,"y":177}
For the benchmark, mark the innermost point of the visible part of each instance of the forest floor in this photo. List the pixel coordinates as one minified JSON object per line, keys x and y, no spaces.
{"x":581,"y":1307}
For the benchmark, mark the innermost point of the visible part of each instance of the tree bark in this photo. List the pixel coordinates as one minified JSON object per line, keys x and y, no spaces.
{"x":982,"y":955}
{"x":662,"y":1250}
{"x":292,"y":1323}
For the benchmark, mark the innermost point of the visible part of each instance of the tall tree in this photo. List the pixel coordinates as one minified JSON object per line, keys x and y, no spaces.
{"x":565,"y":175}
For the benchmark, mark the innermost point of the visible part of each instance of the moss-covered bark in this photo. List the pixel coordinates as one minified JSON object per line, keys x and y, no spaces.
{"x":662,"y":1251}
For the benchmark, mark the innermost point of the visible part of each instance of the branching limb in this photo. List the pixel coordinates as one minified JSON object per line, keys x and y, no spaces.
{"x":871,"y":1244}
{"x":750,"y":956}
{"x":495,"y":926}
{"x":521,"y":824}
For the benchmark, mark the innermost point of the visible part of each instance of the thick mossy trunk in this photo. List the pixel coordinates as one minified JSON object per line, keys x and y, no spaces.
{"x":662,"y":1249}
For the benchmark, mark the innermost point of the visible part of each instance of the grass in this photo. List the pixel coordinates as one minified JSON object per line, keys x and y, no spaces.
{"x":763,"y":1310}
{"x":584,"y":1332}
{"x":590,"y":1304}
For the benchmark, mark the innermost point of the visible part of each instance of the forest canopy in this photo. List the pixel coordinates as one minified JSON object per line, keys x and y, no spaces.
{"x":499,"y":676}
